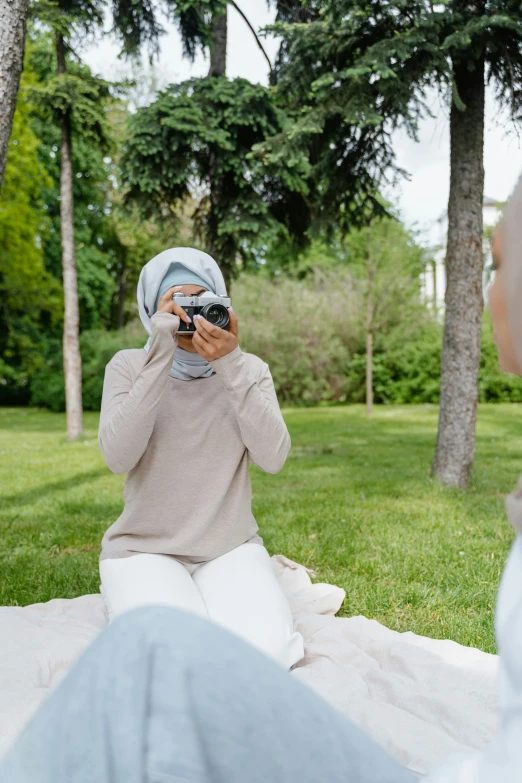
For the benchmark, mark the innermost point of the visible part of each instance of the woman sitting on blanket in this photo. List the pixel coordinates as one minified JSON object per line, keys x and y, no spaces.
{"x":183,"y":417}
{"x":164,"y":696}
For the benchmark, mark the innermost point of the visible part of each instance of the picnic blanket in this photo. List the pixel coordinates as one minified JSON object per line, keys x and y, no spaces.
{"x":421,"y":698}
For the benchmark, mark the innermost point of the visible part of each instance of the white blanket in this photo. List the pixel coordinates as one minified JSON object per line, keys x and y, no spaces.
{"x":421,"y":698}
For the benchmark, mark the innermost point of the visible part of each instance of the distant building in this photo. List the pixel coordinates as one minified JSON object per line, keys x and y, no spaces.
{"x":434,"y":283}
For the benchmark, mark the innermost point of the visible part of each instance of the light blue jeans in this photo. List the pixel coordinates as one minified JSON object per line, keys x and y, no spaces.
{"x":163,"y":696}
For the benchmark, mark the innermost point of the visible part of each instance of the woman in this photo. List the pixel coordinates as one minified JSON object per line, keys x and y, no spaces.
{"x":205,"y":707}
{"x":183,"y":416}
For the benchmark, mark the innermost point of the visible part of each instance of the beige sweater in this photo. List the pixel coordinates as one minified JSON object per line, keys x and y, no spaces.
{"x":186,"y":446}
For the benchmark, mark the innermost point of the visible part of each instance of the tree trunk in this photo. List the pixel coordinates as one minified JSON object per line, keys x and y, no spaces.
{"x":218,"y":67}
{"x":369,"y":341}
{"x":122,"y":292}
{"x":227,"y":276}
{"x":72,"y":362}
{"x":369,"y":372}
{"x":13,"y":16}
{"x":435,"y":292}
{"x":218,"y":50}
{"x":455,"y":449}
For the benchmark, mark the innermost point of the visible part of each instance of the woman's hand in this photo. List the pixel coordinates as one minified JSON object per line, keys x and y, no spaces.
{"x":167,"y":304}
{"x":211,"y":341}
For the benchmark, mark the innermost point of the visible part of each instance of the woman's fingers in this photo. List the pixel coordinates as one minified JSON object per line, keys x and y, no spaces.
{"x":215,"y":331}
{"x":233,"y":323}
{"x":166,"y":298}
{"x":209,"y":330}
{"x":202,"y":346}
{"x":178,"y":310}
{"x":168,"y":305}
{"x":201,"y":333}
{"x":211,"y":341}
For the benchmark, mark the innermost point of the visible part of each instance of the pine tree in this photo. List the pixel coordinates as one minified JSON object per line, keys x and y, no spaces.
{"x":195,"y":141}
{"x":353,"y":74}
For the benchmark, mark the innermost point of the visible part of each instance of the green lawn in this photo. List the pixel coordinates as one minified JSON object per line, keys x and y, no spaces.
{"x":354,"y":501}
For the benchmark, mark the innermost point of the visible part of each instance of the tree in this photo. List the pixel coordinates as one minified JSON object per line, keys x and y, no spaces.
{"x":75,"y":101}
{"x":365,"y":67}
{"x":388,"y":263}
{"x":194,"y":143}
{"x":30,"y":298}
{"x":13,"y":17}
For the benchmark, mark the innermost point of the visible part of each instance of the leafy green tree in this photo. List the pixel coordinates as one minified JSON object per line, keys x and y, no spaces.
{"x":362,"y":68}
{"x":13,"y":17}
{"x":75,"y":101}
{"x":379,"y":267}
{"x":195,"y":139}
{"x":31,"y":311}
{"x":387,"y":264}
{"x":30,"y":297}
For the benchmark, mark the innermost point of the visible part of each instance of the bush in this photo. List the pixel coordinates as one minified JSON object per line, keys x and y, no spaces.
{"x":97,"y":347}
{"x":313,"y":340}
{"x":295,"y":330}
{"x":494,"y":384}
{"x":406,"y":368}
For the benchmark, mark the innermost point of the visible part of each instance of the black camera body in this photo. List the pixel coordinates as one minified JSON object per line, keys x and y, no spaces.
{"x":209,"y":305}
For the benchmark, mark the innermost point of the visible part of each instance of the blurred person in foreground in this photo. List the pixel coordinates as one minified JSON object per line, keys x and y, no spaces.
{"x":163,"y":695}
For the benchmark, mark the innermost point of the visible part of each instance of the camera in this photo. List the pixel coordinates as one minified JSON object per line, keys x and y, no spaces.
{"x":209,"y":305}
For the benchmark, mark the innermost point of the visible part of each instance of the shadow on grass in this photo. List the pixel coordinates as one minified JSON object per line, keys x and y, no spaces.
{"x":29,"y":496}
{"x":41,"y":420}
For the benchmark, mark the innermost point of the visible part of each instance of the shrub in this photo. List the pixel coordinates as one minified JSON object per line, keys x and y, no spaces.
{"x":97,"y":347}
{"x":313,"y":340}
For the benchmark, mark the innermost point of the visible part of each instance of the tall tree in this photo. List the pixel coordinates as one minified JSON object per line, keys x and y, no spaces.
{"x":365,"y":67}
{"x":193,"y":144}
{"x":72,"y":359}
{"x":75,"y":98}
{"x":386,"y":264}
{"x":29,"y":296}
{"x":13,"y":17}
{"x":218,"y":44}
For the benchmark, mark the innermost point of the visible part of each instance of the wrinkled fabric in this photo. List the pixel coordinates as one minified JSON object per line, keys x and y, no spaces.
{"x":420,"y":698}
{"x":164,"y":696}
{"x":501,"y":759}
{"x":178,"y":274}
{"x":514,"y":507}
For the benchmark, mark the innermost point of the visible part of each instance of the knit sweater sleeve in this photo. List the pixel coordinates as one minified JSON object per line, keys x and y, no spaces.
{"x":128,"y":408}
{"x":256,"y":406}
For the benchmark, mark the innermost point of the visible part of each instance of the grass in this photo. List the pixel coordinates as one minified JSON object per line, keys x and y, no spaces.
{"x":355,"y":502}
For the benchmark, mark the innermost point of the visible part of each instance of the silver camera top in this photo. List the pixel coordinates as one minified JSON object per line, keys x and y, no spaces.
{"x":199,"y":301}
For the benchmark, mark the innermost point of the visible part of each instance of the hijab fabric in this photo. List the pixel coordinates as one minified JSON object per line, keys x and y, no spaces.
{"x":181,"y":265}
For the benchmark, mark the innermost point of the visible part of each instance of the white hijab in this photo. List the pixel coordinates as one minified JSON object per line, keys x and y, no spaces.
{"x":186,"y":365}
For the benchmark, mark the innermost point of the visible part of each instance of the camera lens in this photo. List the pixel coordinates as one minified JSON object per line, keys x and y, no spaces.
{"x":217,"y":314}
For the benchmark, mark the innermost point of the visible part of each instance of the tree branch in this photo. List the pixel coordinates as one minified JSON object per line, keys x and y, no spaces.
{"x":240,"y":12}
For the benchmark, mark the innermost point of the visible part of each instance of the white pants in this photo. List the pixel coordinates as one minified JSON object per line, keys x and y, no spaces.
{"x":238,"y":590}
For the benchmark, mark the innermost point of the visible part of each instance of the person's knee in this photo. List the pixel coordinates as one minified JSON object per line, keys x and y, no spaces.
{"x":190,"y":637}
{"x":149,"y":626}
{"x":283,"y":647}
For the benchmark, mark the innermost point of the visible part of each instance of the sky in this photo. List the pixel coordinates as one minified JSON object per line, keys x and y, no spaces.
{"x":422,"y":199}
